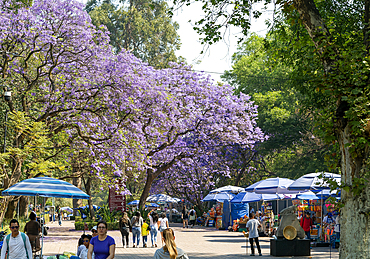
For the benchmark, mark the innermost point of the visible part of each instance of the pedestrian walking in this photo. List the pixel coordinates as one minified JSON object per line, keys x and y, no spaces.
{"x":163,"y":224}
{"x":185,"y":217}
{"x":16,"y":245}
{"x":60,"y":218}
{"x":145,"y":232}
{"x":306,"y":223}
{"x":124,"y":228}
{"x":153,"y":225}
{"x":103,"y":245}
{"x":192,"y":216}
{"x":136,"y":223}
{"x":252,"y":227}
{"x":170,"y":250}
{"x":337,"y":227}
{"x":33,"y":229}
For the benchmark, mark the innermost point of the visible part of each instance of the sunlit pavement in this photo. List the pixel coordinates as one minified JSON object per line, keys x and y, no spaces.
{"x":198,"y":242}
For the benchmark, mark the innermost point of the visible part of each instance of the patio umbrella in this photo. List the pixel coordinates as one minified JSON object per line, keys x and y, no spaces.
{"x":68,"y":209}
{"x":247,"y":197}
{"x":228,"y":188}
{"x":220,"y":196}
{"x":45,"y":187}
{"x":87,"y":206}
{"x":133,"y":203}
{"x":272,"y":186}
{"x":313,"y":183}
{"x":154,"y":205}
{"x":161,"y":198}
{"x":307,"y":196}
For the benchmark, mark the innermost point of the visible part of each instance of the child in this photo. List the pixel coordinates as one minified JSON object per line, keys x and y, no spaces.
{"x":145,"y":232}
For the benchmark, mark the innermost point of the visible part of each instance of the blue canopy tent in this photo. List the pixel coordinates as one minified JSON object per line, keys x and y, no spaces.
{"x":45,"y":187}
{"x":315,"y":182}
{"x":272,"y":186}
{"x":247,"y":197}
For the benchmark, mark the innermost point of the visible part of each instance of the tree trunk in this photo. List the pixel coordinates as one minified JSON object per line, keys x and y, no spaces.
{"x":23,"y":204}
{"x":88,"y":191}
{"x":144,"y":195}
{"x":16,"y":175}
{"x":77,"y":202}
{"x":10,"y":209}
{"x":355,"y":217}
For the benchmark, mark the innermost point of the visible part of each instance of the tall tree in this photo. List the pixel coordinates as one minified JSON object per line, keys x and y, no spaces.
{"x":281,"y":113}
{"x":331,"y":40}
{"x":142,"y":27}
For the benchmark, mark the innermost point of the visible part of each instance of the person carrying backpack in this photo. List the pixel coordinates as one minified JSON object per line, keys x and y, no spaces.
{"x":16,"y":245}
{"x":192,"y":216}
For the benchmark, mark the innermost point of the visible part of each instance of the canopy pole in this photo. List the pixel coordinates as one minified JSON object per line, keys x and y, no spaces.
{"x":43,"y":225}
{"x":322,"y":231}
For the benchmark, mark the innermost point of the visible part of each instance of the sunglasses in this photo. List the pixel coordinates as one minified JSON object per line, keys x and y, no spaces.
{"x":14,"y":227}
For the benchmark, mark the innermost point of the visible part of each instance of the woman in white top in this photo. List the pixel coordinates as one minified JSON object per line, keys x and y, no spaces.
{"x":153,"y":217}
{"x":163,"y":224}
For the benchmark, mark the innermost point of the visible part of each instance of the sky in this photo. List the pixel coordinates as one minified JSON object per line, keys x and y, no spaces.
{"x":217,"y":58}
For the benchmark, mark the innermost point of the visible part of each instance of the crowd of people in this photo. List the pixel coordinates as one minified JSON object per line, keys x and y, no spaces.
{"x":98,"y":245}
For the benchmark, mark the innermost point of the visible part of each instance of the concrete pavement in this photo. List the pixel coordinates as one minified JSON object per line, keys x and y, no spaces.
{"x":198,"y":242}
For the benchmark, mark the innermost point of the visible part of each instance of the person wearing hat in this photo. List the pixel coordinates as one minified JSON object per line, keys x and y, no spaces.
{"x":94,"y":231}
{"x":306,"y":224}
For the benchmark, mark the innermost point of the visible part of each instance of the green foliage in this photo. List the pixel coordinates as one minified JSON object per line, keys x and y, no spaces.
{"x":142,"y":27}
{"x":107,"y":215}
{"x":34,"y":150}
{"x":91,"y":224}
{"x":292,"y":148}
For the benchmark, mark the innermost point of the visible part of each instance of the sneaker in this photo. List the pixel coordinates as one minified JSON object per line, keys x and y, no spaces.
{"x":152,"y":245}
{"x":260,"y":254}
{"x":155,"y":245}
{"x":144,"y":245}
{"x":252,"y":254}
{"x":134,"y":246}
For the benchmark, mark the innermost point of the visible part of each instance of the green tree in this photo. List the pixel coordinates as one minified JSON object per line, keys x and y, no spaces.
{"x":142,"y":27}
{"x":26,"y":159}
{"x":329,"y":49}
{"x":292,"y":149}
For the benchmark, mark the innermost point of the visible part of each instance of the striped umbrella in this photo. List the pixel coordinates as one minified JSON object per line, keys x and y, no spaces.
{"x":45,"y":187}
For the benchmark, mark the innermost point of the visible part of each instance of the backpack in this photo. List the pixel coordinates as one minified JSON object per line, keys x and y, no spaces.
{"x":24,"y":242}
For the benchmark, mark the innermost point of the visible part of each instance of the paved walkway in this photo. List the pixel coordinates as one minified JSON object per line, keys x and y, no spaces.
{"x":198,"y":242}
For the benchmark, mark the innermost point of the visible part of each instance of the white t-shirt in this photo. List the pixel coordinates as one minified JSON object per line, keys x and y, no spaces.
{"x":152,"y":224}
{"x":252,"y":225}
{"x":163,"y":222}
{"x":337,"y":224}
{"x":16,"y":248}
